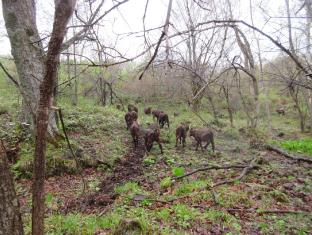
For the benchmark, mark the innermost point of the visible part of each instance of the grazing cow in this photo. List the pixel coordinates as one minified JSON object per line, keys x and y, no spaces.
{"x":135,"y":131}
{"x":156,"y":114}
{"x":131,"y":107}
{"x":148,"y":110}
{"x":152,"y":134}
{"x":130,"y":117}
{"x":163,"y":119}
{"x":203,"y":135}
{"x":181,"y":133}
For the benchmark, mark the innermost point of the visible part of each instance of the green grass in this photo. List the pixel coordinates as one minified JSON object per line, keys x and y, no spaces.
{"x":300,"y":146}
{"x":80,"y":224}
{"x":100,"y":132}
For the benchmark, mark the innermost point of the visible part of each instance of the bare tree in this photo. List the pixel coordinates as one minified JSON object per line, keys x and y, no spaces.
{"x":28,"y":50}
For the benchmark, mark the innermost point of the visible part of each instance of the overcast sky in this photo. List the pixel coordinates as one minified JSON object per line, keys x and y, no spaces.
{"x":128,"y":18}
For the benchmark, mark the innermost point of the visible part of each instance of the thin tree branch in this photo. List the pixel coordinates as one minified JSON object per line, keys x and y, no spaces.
{"x":9,"y":75}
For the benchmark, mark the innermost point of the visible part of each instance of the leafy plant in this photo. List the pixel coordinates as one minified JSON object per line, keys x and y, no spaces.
{"x":184,"y":215}
{"x":149,"y":161}
{"x":166,"y":182}
{"x":178,"y":171}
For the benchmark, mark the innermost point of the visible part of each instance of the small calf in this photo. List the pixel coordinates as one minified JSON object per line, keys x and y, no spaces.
{"x":130,"y":117}
{"x":152,"y":134}
{"x":131,"y":107}
{"x":163,"y":119}
{"x":203,"y":135}
{"x":148,"y":110}
{"x":181,"y":133}
{"x":135,"y":132}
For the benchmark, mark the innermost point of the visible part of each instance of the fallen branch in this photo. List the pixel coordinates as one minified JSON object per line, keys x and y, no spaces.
{"x":288,"y":155}
{"x":10,"y":76}
{"x":259,"y":211}
{"x":256,"y":210}
{"x":209,"y":168}
{"x":71,"y":150}
{"x":252,"y":165}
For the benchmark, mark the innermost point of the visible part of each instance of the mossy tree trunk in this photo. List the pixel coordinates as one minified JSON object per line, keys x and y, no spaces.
{"x":28,"y":54}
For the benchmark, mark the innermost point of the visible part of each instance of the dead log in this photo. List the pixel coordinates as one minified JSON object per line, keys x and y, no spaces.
{"x":288,"y":155}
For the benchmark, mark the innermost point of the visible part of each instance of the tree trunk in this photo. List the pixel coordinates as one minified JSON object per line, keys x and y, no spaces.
{"x":63,"y":11}
{"x":28,"y":54}
{"x":249,"y":69}
{"x":196,"y":86}
{"x":294,"y":96}
{"x":228,"y":103}
{"x":10,"y":216}
{"x":265,"y":85}
{"x":214,"y":111}
{"x":75,"y":90}
{"x":111,"y":93}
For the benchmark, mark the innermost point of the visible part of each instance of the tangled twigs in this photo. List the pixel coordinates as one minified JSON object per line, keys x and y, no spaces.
{"x":287,"y":155}
{"x":209,"y":168}
{"x":252,"y":165}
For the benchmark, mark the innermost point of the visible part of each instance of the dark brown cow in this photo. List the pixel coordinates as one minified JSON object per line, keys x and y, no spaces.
{"x":130,"y":117}
{"x":148,"y":110}
{"x":203,"y":135}
{"x":156,"y":114}
{"x":181,"y":133}
{"x":152,"y":134}
{"x":163,"y":119}
{"x":135,"y":131}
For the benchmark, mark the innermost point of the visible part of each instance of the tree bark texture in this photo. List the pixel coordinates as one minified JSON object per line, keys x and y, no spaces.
{"x":10,"y":216}
{"x":63,"y":11}
{"x":28,"y":54}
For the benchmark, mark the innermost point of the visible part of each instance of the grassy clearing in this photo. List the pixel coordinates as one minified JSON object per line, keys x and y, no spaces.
{"x":100,"y":132}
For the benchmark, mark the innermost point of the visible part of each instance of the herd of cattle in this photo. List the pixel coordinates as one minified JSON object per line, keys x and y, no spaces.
{"x":152,"y":133}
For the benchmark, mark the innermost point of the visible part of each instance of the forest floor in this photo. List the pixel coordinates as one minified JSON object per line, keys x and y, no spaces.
{"x":142,"y":193}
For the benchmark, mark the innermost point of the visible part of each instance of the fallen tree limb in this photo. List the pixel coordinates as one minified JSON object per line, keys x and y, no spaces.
{"x":259,"y":211}
{"x":71,"y":150}
{"x":288,"y":155}
{"x":252,"y":165}
{"x":256,"y":210}
{"x":209,"y":168}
